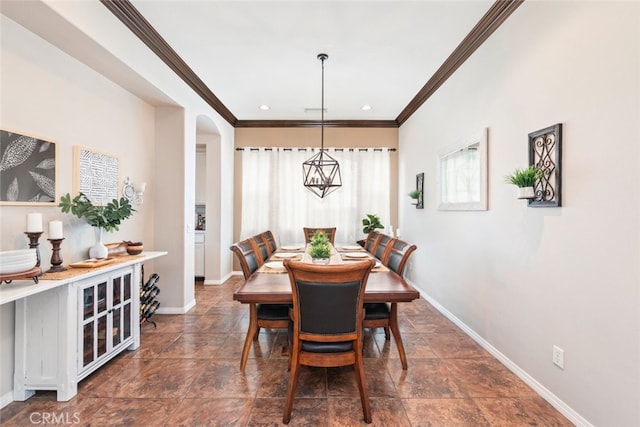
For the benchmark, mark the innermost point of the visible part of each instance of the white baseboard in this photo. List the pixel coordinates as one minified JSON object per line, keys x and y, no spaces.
{"x":6,"y":398}
{"x":176,"y":310}
{"x":219,"y":281}
{"x":545,"y":393}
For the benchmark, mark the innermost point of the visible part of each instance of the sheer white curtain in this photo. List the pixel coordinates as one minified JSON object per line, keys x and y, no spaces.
{"x":273,"y":197}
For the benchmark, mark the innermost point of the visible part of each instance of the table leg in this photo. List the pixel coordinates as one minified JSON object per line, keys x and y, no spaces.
{"x":393,"y":323}
{"x":253,"y":327}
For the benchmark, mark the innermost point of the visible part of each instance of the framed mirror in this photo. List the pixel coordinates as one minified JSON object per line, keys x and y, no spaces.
{"x":462,"y":173}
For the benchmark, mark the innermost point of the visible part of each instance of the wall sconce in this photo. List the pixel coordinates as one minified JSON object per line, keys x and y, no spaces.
{"x":133,"y":191}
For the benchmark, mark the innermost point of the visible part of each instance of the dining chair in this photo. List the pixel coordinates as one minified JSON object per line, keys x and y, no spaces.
{"x":326,"y":322}
{"x":271,"y":240}
{"x":264,"y":249}
{"x":329,"y":231}
{"x":383,"y":243}
{"x":273,"y":316}
{"x":384,"y":315}
{"x":371,"y":241}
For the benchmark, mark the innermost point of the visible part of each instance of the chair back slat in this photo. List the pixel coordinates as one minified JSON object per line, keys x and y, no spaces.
{"x":398,"y":256}
{"x":248,"y":255}
{"x":271,"y":240}
{"x":329,"y":231}
{"x":384,"y":241}
{"x":372,"y":241}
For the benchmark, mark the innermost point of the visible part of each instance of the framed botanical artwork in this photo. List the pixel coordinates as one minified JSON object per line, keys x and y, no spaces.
{"x":27,"y":170}
{"x":97,"y":175}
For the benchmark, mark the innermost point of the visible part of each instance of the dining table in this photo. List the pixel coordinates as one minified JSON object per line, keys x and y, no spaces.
{"x":270,"y":285}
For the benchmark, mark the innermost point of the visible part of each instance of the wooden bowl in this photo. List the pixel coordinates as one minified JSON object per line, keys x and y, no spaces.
{"x":135,"y":248}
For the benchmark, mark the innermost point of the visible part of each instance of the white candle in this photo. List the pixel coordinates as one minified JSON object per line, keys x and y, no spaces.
{"x":34,"y":223}
{"x":55,"y":230}
{"x":397,"y":232}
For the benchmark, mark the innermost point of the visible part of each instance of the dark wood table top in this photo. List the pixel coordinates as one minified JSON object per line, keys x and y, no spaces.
{"x":383,"y":286}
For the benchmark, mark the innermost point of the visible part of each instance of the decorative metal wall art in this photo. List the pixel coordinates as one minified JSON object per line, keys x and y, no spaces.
{"x":27,"y":170}
{"x":545,"y":152}
{"x":420,"y":188}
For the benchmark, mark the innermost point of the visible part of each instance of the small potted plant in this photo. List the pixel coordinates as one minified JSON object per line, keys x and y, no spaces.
{"x":525,"y":179}
{"x":320,"y":250}
{"x":103,"y":217}
{"x":415,"y":195}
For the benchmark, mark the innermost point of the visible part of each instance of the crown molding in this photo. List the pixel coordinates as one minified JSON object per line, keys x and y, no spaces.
{"x":133,"y":19}
{"x":495,"y":16}
{"x":316,"y":123}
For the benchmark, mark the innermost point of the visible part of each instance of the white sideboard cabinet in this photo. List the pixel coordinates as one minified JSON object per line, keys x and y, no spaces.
{"x":66,"y":329}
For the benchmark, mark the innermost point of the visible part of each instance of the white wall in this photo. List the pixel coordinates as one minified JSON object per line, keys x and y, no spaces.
{"x":524,"y":279}
{"x":47,"y":94}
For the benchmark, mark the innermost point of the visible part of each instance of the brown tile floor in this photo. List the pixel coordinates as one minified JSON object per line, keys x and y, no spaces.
{"x":186,"y":373}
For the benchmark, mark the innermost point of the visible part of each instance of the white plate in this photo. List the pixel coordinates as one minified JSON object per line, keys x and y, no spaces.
{"x":357,"y":255}
{"x":286,"y":255}
{"x":292,"y":247}
{"x":274,"y":264}
{"x":350,"y":247}
{"x":378,"y":264}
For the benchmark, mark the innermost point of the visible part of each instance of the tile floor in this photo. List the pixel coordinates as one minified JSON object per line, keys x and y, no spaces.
{"x":186,"y":373}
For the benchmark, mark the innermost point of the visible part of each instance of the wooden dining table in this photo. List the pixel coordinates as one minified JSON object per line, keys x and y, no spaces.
{"x":273,"y":287}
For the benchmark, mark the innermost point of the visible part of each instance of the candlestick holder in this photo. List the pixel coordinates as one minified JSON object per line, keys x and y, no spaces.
{"x":34,"y":244}
{"x":56,"y":259}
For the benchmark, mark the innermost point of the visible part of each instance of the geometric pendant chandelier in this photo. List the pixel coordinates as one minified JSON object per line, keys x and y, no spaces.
{"x":321,"y":172}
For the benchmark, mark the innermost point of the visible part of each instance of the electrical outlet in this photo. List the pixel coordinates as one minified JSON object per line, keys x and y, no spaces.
{"x":558,"y":357}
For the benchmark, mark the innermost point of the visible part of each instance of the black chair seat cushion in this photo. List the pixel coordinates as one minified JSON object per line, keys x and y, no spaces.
{"x":273,"y":311}
{"x":376,"y":310}
{"x":326,"y":347}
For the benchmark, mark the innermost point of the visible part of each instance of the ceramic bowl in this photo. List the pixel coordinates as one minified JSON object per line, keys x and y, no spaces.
{"x":17,"y":261}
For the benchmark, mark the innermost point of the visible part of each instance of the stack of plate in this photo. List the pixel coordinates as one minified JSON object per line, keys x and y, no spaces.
{"x":17,"y":261}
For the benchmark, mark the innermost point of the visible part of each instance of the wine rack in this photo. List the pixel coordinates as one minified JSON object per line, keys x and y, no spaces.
{"x":148,"y":299}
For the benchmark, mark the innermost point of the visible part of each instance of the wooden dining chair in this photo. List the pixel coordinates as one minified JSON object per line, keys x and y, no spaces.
{"x":271,"y":240}
{"x":371,"y":241}
{"x":383,"y":315}
{"x":326,"y":328}
{"x":273,"y":316}
{"x":330,"y":232}
{"x":264,"y":249}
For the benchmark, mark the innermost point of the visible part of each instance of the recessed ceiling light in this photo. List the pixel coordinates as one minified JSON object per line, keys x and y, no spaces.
{"x":264,"y":107}
{"x":366,"y":107}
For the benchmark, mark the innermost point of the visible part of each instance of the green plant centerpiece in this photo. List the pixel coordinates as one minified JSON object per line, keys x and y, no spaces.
{"x":320,"y":250}
{"x":525,"y":179}
{"x":102,"y":217}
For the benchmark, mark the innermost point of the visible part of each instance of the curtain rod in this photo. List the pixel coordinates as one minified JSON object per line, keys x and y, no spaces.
{"x":312,"y":149}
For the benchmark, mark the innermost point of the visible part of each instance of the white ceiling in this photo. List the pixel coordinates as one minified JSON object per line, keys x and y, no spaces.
{"x":251,"y":53}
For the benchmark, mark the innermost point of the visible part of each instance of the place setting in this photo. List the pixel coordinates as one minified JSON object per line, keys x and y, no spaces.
{"x":350,"y":248}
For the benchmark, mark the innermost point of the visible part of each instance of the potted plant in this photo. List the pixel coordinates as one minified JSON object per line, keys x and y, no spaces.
{"x":415,"y":195}
{"x":102,"y":217}
{"x":525,"y":179}
{"x":320,"y":250}
{"x":370,"y":223}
